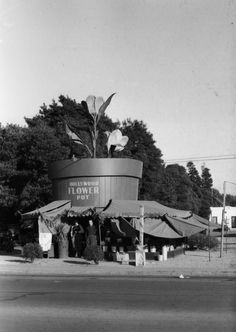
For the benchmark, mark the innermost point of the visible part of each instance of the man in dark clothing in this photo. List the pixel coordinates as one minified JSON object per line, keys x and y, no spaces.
{"x":77,"y":236}
{"x":91,"y":234}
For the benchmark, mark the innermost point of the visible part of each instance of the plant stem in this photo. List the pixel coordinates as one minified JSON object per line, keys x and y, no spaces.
{"x":94,"y":138}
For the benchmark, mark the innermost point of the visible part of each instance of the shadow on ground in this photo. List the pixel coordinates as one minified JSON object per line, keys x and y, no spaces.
{"x":77,"y":262}
{"x":17,"y":261}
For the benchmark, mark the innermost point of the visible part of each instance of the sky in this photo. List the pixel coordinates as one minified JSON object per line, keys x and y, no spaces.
{"x":171,"y":64}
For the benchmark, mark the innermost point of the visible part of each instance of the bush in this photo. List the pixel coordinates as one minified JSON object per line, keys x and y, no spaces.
{"x":32,"y":251}
{"x":93,"y":253}
{"x":201,"y":241}
{"x":6,"y":243}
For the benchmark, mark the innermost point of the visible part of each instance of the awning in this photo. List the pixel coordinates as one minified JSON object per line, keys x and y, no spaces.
{"x":50,"y":211}
{"x":160,"y":220}
{"x":54,"y":210}
{"x":123,"y":228}
{"x":59,"y":208}
{"x":185,"y":227}
{"x":158,"y":228}
{"x":131,"y":208}
{"x":79,"y":211}
{"x":205,"y":222}
{"x":194,"y":222}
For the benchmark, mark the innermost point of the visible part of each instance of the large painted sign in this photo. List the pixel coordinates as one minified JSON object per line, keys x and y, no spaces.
{"x":83,"y":190}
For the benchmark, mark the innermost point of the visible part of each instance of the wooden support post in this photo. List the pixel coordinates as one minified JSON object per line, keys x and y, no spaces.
{"x":141,"y":227}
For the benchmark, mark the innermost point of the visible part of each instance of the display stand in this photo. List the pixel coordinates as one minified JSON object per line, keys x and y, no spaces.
{"x":137,"y":257}
{"x":121,"y":257}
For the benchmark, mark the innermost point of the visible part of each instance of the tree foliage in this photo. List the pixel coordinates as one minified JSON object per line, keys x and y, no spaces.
{"x":177,"y":189}
{"x":230,"y":200}
{"x":9,"y":139}
{"x":141,"y":146}
{"x":206,"y":188}
{"x":38,"y":148}
{"x":218,"y":198}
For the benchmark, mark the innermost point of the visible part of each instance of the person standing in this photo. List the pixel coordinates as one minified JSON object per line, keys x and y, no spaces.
{"x":92,"y":250}
{"x":77,"y":234}
{"x":91,"y":234}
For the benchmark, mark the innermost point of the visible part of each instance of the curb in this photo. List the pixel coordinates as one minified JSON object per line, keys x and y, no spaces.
{"x":95,"y":276}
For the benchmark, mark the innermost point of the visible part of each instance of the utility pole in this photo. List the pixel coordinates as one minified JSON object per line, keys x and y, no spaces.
{"x":209,"y":240}
{"x":222,"y":221}
{"x":141,"y":228}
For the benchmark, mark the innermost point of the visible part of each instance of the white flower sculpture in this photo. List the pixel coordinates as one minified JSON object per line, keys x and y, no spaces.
{"x":116,"y":140}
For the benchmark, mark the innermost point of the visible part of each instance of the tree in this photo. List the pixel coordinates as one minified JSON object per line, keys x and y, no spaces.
{"x":25,"y":154}
{"x":39,"y":147}
{"x":10,"y":136}
{"x":178,"y":189}
{"x":196,"y":184}
{"x":193,"y":174}
{"x":206,"y":187}
{"x":166,"y":191}
{"x":217,"y":198}
{"x":141,"y":146}
{"x":230,"y":200}
{"x":56,"y":115}
{"x":206,"y":179}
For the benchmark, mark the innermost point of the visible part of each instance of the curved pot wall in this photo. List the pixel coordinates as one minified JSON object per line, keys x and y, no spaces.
{"x":93,"y":182}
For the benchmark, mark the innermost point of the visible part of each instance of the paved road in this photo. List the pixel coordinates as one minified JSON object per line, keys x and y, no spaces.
{"x":117,"y":304}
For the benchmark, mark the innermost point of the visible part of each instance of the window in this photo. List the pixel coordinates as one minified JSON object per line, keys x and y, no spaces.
{"x":233,"y":222}
{"x":214,"y":220}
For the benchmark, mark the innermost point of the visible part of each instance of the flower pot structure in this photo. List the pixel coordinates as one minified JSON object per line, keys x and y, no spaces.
{"x":93,"y":182}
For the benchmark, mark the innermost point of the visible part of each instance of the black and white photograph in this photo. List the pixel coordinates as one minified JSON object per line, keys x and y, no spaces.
{"x":117,"y":165}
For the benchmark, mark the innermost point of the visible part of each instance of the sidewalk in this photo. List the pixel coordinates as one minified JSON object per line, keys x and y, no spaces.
{"x":192,"y":264}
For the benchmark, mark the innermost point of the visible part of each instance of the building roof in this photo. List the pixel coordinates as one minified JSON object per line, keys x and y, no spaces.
{"x":160,"y":220}
{"x":131,"y":208}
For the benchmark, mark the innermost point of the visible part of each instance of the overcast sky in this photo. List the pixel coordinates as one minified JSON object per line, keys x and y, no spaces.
{"x":170,"y":62}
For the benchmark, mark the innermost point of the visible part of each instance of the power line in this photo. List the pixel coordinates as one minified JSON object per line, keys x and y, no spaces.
{"x":231,"y":182}
{"x":215,"y":156}
{"x":211,"y":156}
{"x":207,"y":158}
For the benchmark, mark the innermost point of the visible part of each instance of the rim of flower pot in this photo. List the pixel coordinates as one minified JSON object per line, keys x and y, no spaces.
{"x":96,"y":167}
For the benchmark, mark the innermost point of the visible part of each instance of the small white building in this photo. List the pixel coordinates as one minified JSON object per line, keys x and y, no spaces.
{"x":230,"y":216}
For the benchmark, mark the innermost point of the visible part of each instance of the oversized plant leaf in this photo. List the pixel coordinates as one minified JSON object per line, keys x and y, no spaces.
{"x":99,"y":101}
{"x":90,"y":100}
{"x":76,"y":138}
{"x":103,"y":107}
